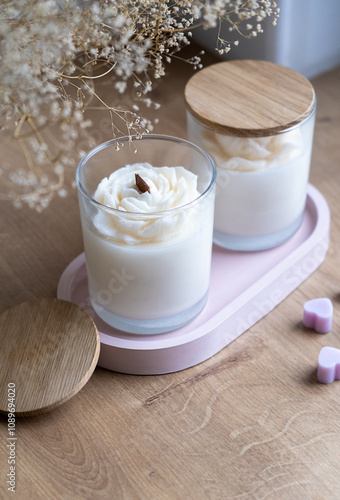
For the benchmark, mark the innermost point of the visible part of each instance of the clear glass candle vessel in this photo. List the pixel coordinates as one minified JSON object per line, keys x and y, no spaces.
{"x":256,"y":121}
{"x":147,"y":272}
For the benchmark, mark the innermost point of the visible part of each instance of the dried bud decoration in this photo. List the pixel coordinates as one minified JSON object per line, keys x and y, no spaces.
{"x":141,"y":184}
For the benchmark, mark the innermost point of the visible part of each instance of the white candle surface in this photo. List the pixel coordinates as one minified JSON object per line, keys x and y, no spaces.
{"x":261,"y":181}
{"x":150,"y":257}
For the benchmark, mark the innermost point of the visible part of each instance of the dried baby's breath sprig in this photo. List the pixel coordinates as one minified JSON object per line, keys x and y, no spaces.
{"x":53,"y":53}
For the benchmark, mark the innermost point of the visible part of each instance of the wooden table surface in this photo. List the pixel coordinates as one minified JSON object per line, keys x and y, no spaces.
{"x":249,"y":423}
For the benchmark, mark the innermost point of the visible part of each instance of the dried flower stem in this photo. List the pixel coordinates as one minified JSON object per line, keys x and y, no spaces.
{"x":54,"y":51}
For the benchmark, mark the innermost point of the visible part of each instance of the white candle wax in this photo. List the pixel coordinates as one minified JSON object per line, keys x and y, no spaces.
{"x":261,"y":183}
{"x":149,"y":258}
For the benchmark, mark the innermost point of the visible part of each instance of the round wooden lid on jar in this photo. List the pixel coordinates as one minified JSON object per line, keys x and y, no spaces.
{"x":249,"y":98}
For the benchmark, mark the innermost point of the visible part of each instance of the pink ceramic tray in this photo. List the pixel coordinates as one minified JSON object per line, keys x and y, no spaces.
{"x":244,"y":287}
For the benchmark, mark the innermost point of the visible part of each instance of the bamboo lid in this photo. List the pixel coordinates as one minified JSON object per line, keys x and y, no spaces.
{"x":49,"y":350}
{"x":249,"y":97}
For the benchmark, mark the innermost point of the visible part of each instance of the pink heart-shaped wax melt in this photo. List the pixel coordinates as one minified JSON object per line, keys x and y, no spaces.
{"x":328,"y":365}
{"x":318,"y":314}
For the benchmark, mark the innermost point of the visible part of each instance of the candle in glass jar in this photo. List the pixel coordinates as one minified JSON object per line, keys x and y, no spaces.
{"x":148,"y":247}
{"x":256,"y":121}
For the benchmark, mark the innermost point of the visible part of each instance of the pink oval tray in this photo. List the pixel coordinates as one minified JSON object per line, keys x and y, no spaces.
{"x":244,"y":287}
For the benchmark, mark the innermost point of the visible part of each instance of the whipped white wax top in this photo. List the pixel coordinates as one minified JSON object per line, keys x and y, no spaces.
{"x":251,"y":154}
{"x":170,"y":187}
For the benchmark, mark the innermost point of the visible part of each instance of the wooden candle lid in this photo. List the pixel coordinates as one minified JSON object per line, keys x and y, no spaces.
{"x":49,"y":350}
{"x":249,"y":98}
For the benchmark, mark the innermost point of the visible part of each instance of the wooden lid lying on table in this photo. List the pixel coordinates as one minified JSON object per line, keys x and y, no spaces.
{"x":49,"y":350}
{"x":249,"y":98}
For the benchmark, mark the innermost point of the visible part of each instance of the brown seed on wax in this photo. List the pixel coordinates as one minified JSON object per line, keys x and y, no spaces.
{"x":141,"y":184}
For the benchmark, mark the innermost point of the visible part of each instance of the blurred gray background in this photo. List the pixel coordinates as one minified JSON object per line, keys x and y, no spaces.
{"x":306,"y":38}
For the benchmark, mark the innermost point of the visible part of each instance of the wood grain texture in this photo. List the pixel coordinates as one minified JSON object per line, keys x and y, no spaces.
{"x":251,"y":423}
{"x":249,"y":98}
{"x":49,"y":350}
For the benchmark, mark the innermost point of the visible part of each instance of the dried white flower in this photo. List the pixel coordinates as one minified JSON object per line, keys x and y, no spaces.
{"x":53,"y":52}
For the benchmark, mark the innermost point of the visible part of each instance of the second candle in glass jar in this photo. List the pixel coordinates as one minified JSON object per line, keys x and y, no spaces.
{"x":256,"y":120}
